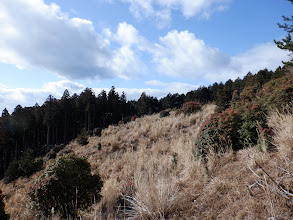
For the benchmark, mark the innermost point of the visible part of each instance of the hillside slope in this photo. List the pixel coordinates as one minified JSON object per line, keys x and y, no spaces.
{"x":153,"y":156}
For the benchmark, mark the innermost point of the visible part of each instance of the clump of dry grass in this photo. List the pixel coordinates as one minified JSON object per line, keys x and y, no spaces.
{"x":282,"y":124}
{"x":157,"y":195}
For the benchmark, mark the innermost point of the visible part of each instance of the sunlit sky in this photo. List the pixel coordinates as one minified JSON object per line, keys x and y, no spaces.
{"x":156,"y":46}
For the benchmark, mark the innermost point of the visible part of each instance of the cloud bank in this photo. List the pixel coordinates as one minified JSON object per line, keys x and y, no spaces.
{"x":161,"y":10}
{"x":36,"y":35}
{"x":40,"y":36}
{"x":181,"y":55}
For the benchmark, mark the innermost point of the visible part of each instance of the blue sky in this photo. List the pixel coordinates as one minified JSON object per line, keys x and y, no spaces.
{"x":156,"y":46}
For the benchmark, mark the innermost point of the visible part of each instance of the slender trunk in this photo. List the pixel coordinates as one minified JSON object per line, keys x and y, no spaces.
{"x":23,"y":140}
{"x":48,"y":138}
{"x":16,"y":150}
{"x":65,"y":128}
{"x":89,"y":121}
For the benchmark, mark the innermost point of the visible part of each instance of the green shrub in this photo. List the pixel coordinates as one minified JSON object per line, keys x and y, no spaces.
{"x":253,"y":117}
{"x":191,"y":107}
{"x":57,"y":148}
{"x":164,"y":113}
{"x":98,"y":132}
{"x":3,"y":215}
{"x":50,"y":155}
{"x":82,"y":138}
{"x":277,"y":93}
{"x":67,"y":186}
{"x":235,"y":127}
{"x":219,"y":133}
{"x":127,"y":119}
{"x":12,"y":172}
{"x":25,"y":166}
{"x":174,"y":160}
{"x":99,"y":147}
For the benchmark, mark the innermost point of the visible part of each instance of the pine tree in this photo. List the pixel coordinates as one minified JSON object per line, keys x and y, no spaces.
{"x":287,"y":43}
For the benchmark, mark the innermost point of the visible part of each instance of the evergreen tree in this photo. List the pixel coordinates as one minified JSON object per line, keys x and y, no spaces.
{"x":287,"y":43}
{"x":5,"y":112}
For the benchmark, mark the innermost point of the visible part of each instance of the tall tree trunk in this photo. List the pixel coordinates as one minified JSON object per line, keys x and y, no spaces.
{"x":48,"y":138}
{"x":65,"y":129}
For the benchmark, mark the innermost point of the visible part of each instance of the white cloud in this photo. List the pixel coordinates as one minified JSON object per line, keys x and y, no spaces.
{"x":125,"y":63}
{"x":126,"y":34}
{"x":36,"y":35}
{"x":173,"y":87}
{"x":261,"y":56}
{"x":10,"y":97}
{"x":161,"y":10}
{"x":181,"y":55}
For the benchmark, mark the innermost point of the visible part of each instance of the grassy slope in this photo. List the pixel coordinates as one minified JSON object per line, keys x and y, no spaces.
{"x":142,"y":151}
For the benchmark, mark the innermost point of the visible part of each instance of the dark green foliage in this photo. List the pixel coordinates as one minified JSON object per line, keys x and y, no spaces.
{"x":67,"y":185}
{"x":82,"y":138}
{"x":172,"y":101}
{"x":252,"y":117}
{"x":233,"y":128}
{"x":12,"y":172}
{"x":98,"y":132}
{"x":219,"y":133}
{"x":164,"y":113}
{"x":147,"y":105}
{"x":245,"y":122}
{"x":51,"y":155}
{"x":25,"y":166}
{"x":287,"y":43}
{"x":191,"y":107}
{"x":174,"y":159}
{"x":126,"y":119}
{"x":277,"y":93}
{"x":57,"y":148}
{"x":99,"y":147}
{"x":3,"y":215}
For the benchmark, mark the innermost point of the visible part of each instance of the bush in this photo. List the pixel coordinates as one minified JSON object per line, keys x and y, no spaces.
{"x":3,"y":215}
{"x":66,"y":185}
{"x":98,"y":132}
{"x":191,"y":107}
{"x":82,"y":138}
{"x":126,"y":119}
{"x":51,"y":155}
{"x":25,"y":166}
{"x":220,"y":132}
{"x":99,"y":147}
{"x":164,"y":113}
{"x":57,"y":148}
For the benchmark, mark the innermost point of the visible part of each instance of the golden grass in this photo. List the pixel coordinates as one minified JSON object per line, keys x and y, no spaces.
{"x":222,"y":188}
{"x":282,"y":123}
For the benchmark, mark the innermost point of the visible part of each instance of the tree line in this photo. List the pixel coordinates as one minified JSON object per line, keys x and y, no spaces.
{"x":59,"y":121}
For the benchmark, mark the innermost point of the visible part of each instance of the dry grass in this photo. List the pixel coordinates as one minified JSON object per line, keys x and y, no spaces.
{"x":283,"y":128}
{"x":222,"y":188}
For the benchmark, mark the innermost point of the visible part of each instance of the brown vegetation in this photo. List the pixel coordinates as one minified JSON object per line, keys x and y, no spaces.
{"x":223,"y":187}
